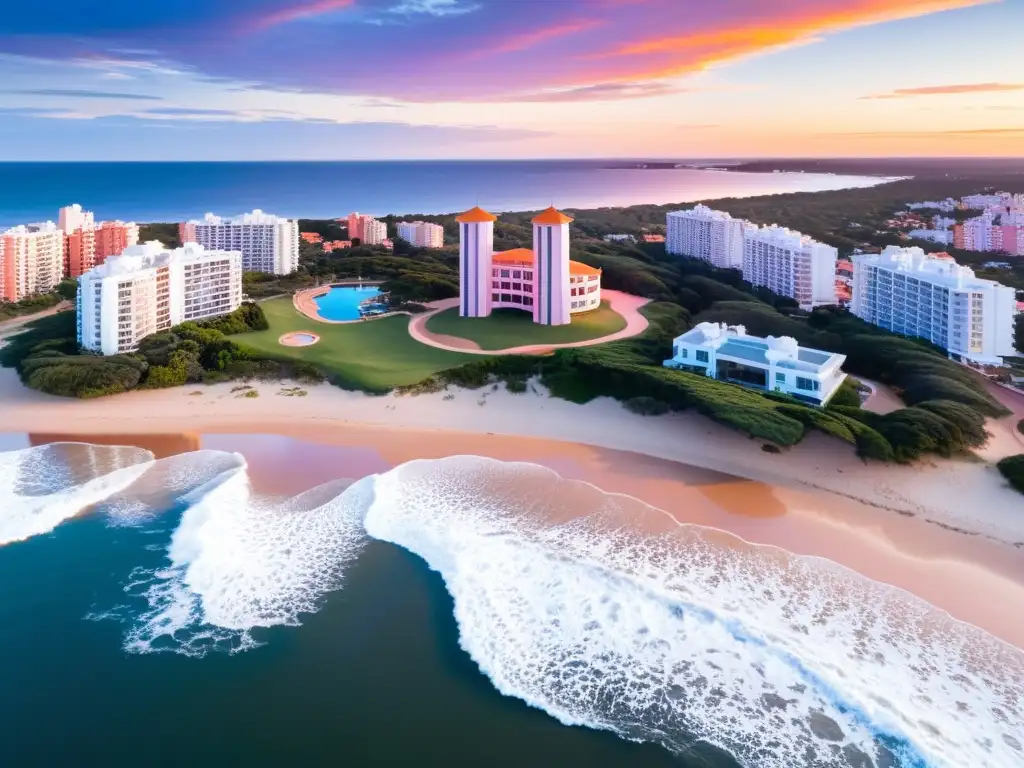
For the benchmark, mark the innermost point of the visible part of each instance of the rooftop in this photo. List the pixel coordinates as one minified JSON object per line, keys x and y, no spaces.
{"x":256,"y":217}
{"x":43,"y":227}
{"x":476,"y":215}
{"x":552,"y":217}
{"x":150,"y":255}
{"x":733,"y":341}
{"x":515,"y":256}
{"x":703,"y":212}
{"x":781,"y":236}
{"x":939,"y":269}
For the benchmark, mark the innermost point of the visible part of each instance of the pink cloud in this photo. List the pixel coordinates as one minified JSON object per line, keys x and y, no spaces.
{"x":294,"y":12}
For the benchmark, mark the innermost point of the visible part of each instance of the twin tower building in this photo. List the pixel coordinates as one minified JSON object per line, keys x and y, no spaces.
{"x":542,"y":281}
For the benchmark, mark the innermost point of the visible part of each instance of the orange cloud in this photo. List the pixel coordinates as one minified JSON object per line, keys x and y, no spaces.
{"x":677,"y":55}
{"x":940,"y":90}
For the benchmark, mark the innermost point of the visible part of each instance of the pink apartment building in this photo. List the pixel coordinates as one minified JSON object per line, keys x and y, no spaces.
{"x":542,"y":281}
{"x":88,"y":247}
{"x":31,"y":260}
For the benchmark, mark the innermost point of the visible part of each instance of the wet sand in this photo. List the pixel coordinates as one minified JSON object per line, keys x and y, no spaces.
{"x":968,"y":495}
{"x":975,"y":579}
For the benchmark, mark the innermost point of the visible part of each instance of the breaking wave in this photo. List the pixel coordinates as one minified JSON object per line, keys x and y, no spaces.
{"x":594,"y":607}
{"x":42,"y":487}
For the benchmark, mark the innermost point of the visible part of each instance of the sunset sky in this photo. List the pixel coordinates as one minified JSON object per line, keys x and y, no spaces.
{"x":374,"y":79}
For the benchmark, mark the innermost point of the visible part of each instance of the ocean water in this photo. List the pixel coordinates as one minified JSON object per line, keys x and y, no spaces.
{"x":455,"y":611}
{"x":146,"y":192}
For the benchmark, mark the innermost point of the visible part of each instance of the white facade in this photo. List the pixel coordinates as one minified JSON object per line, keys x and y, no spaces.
{"x":619,"y":239}
{"x":790,"y":264}
{"x":374,"y":232}
{"x":907,"y":291}
{"x":31,"y":260}
{"x":981,"y":202}
{"x":728,"y":353}
{"x":941,"y":236}
{"x":551,"y":257}
{"x":978,"y":233}
{"x":149,"y":289}
{"x":72,"y":217}
{"x":706,"y":234}
{"x":421,"y":233}
{"x":942,"y":222}
{"x":267,"y":243}
{"x":949,"y":204}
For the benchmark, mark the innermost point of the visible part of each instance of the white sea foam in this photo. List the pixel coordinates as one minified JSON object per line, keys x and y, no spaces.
{"x":43,"y":486}
{"x":670,"y":636}
{"x":238,"y":561}
{"x":784,"y":661}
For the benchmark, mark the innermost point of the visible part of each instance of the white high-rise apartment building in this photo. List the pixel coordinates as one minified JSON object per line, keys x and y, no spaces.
{"x":421,"y":233}
{"x":905,"y":290}
{"x":374,"y":232}
{"x":790,"y":264}
{"x":148,"y":289}
{"x":268,"y":243}
{"x":706,"y":234}
{"x":31,"y":260}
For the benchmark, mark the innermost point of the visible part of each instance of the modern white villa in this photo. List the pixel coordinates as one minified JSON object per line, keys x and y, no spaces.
{"x":727,"y":353}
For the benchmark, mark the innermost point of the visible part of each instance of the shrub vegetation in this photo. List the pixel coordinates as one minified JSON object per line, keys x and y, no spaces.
{"x":1012,"y":469}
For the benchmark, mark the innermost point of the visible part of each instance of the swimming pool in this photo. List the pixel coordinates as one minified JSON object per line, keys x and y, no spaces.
{"x":342,"y":302}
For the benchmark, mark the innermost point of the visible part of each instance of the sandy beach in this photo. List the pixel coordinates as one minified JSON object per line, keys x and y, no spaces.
{"x":968,"y":495}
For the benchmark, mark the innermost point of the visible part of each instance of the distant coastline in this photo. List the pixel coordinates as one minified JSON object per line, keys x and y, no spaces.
{"x":147,"y":192}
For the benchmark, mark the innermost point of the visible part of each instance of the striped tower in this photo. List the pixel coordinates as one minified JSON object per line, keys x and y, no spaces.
{"x":476,"y":247}
{"x":551,"y":255}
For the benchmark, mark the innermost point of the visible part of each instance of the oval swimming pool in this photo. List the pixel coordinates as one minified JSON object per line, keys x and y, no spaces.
{"x":342,"y":301}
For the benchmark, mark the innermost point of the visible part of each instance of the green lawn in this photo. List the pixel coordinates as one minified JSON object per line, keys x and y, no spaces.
{"x":377,"y":355}
{"x":507,"y":328}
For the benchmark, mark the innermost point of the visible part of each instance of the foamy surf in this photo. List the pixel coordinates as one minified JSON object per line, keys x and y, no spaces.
{"x":690,"y":634}
{"x":43,"y":486}
{"x":595,"y":608}
{"x":238,"y":561}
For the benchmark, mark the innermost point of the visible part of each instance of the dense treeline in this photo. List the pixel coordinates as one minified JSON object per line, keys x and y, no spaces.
{"x":946,"y":413}
{"x":48,"y":358}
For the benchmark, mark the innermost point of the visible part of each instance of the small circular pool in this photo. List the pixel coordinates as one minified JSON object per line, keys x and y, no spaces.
{"x":298,"y":339}
{"x":342,"y":301}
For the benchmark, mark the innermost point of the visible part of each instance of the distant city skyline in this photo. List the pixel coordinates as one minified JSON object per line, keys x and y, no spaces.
{"x":432,"y":79}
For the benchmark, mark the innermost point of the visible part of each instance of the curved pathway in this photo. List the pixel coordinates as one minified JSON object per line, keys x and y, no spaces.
{"x":625,"y":304}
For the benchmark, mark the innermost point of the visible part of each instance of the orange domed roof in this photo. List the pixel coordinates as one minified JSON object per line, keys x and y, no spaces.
{"x":515,"y":256}
{"x":579,"y":268}
{"x":551,"y":217}
{"x":476,"y":215}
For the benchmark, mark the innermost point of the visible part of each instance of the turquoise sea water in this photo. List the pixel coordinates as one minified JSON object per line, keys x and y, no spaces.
{"x":146,"y":192}
{"x":200,"y":610}
{"x":342,"y":302}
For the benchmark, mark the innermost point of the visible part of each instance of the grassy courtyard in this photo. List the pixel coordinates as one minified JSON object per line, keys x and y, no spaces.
{"x":376,"y":355}
{"x":507,"y":328}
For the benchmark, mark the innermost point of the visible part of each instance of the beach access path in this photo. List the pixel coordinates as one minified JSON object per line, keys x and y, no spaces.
{"x":624,"y":304}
